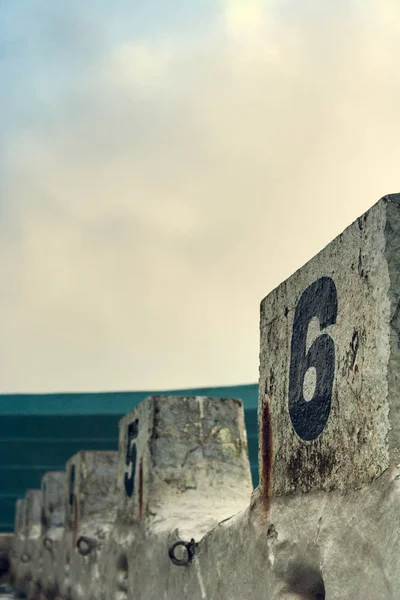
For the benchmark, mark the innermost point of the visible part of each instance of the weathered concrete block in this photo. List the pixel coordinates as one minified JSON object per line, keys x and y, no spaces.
{"x":28,"y":546}
{"x":53,"y":502}
{"x":19,"y":537}
{"x":329,"y":413}
{"x":171,"y":449}
{"x":329,"y":362}
{"x":90,"y":509}
{"x":182,"y":468}
{"x":53,"y":516}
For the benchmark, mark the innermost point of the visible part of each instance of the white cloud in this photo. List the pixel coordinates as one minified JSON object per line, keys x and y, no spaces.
{"x":176,"y":183}
{"x":141,"y":63}
{"x":244,"y":17}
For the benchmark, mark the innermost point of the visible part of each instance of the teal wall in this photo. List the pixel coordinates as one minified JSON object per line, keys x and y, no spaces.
{"x":40,"y":432}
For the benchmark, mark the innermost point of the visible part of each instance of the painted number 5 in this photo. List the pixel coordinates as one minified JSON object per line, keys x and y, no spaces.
{"x":129,"y":479}
{"x":309,"y":417}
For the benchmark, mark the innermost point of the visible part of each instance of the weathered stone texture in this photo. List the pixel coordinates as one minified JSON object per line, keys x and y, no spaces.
{"x":53,"y":517}
{"x":183,"y":467}
{"x":90,"y":513}
{"x":340,"y":313}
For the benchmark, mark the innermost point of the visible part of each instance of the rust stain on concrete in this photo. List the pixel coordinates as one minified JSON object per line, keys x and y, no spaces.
{"x":267,"y":452}
{"x":141,"y":488}
{"x":75,"y":523}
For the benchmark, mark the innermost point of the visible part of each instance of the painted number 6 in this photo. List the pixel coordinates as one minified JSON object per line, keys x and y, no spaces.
{"x":130,"y":460}
{"x":309,"y":417}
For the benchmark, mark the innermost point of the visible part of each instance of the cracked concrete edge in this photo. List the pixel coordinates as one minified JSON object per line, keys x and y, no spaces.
{"x":362,"y":265}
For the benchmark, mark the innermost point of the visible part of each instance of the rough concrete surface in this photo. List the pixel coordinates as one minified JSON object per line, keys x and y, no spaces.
{"x":329,"y":362}
{"x":312,"y":546}
{"x":27,"y":534}
{"x":19,"y":538}
{"x":90,"y":512}
{"x":190,"y":470}
{"x":53,"y":517}
{"x":300,"y":546}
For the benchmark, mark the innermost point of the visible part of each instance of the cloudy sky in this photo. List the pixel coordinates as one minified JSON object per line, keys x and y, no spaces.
{"x":164,"y":165}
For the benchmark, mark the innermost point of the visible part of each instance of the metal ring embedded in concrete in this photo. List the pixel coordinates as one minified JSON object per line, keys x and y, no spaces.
{"x":190,"y":549}
{"x":48,"y":543}
{"x":25,"y":557}
{"x":89,"y":542}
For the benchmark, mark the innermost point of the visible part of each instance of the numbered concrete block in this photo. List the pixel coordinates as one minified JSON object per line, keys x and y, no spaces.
{"x":90,"y":510}
{"x":173,"y":448}
{"x":53,"y":516}
{"x":329,"y":362}
{"x":182,"y":467}
{"x":329,"y":408}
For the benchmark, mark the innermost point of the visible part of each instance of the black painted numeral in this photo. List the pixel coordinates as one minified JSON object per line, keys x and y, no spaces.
{"x":309,"y":418}
{"x":131,"y":455}
{"x":71,"y":490}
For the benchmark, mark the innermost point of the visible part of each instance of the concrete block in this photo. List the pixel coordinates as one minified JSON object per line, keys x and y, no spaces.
{"x":90,"y":510}
{"x":53,"y":516}
{"x":329,"y":362}
{"x":171,"y":449}
{"x":30,"y":543}
{"x":329,"y":411}
{"x":182,"y":468}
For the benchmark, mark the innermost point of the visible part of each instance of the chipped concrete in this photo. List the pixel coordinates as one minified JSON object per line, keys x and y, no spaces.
{"x":310,"y":546}
{"x":361,"y":268}
{"x":190,"y":471}
{"x":90,"y":510}
{"x":28,"y":532}
{"x":53,"y":516}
